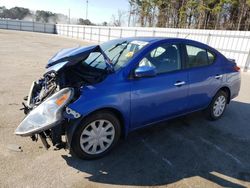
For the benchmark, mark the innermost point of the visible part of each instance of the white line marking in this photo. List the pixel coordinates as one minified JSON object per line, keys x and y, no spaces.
{"x":164,"y":159}
{"x":221,"y":150}
{"x":167,"y":161}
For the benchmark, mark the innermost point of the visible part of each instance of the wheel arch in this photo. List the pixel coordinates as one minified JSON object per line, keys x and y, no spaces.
{"x":227,"y":91}
{"x":117,"y":113}
{"x":73,"y":124}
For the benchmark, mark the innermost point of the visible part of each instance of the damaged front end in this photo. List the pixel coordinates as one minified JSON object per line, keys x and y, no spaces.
{"x":49,"y":97}
{"x":45,"y":116}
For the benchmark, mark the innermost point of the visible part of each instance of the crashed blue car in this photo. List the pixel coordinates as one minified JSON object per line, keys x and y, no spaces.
{"x":94,"y":95}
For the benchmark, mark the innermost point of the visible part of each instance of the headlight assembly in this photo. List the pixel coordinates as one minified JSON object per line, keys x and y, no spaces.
{"x":46,"y":115}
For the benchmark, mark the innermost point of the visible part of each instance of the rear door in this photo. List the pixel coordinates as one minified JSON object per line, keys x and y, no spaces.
{"x":163,"y":96}
{"x":204,"y":74}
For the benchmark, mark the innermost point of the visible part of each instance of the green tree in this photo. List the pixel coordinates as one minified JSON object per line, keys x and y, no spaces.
{"x":84,"y":22}
{"x":45,"y":16}
{"x":18,"y":13}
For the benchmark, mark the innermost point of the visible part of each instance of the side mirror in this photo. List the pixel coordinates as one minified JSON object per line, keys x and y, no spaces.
{"x":145,"y":71}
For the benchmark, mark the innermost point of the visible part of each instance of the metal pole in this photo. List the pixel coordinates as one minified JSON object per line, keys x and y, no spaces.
{"x":87,"y":2}
{"x":69,"y":17}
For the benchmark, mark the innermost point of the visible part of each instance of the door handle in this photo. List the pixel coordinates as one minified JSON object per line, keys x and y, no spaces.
{"x":218,"y":76}
{"x":179,"y":83}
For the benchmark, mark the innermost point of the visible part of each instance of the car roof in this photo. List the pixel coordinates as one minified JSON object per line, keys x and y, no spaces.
{"x":157,"y":39}
{"x":173,"y":39}
{"x":145,"y":39}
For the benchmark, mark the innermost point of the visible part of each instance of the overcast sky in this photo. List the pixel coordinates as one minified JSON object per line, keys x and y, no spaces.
{"x":98,"y":11}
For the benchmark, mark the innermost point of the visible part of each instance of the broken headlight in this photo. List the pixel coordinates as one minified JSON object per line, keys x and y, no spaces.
{"x":46,"y":115}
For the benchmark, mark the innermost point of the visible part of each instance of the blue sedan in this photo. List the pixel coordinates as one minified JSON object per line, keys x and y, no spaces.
{"x":94,"y":95}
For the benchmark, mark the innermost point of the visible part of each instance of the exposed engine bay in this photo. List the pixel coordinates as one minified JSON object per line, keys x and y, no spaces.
{"x":69,"y":72}
{"x":74,"y":76}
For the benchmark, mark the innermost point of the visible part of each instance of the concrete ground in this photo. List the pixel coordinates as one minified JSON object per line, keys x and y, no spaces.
{"x":185,"y":152}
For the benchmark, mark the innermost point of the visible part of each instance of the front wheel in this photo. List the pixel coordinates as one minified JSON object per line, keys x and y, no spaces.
{"x":217,"y":107}
{"x":96,"y":135}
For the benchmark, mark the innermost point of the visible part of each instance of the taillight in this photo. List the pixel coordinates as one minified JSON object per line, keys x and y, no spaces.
{"x":236,"y":68}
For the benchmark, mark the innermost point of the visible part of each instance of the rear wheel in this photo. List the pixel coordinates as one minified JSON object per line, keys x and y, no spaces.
{"x":96,"y":135}
{"x":218,"y":105}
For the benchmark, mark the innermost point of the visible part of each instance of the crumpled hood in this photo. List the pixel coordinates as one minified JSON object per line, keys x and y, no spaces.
{"x":72,"y":54}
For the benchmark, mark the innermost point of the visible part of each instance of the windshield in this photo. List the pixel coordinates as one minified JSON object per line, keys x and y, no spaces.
{"x":118,"y":51}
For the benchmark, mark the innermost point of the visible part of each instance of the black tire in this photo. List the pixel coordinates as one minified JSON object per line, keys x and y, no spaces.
{"x":210,"y":112}
{"x":102,"y":115}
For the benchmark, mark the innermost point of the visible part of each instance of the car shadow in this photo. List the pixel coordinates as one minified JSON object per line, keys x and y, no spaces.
{"x":181,"y":148}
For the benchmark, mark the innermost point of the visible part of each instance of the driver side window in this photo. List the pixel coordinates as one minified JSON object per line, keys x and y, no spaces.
{"x":164,"y":58}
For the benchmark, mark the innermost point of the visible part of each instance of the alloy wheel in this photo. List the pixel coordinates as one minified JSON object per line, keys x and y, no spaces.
{"x":219,"y":106}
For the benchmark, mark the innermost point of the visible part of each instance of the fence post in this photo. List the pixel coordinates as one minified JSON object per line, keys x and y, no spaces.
{"x":78,"y":32}
{"x":153,"y":33}
{"x":83,"y":36}
{"x":208,"y":38}
{"x":109,"y":33}
{"x":99,"y":35}
{"x":121,"y":33}
{"x":55,"y":29}
{"x":135,"y":32}
{"x":7,"y":22}
{"x":20,"y":25}
{"x":247,"y":64}
{"x":44,"y":27}
{"x":91,"y":33}
{"x":33,"y":26}
{"x":177,"y":34}
{"x":67,"y":30}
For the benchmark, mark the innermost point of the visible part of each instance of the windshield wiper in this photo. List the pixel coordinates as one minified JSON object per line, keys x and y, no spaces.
{"x":94,"y":59}
{"x":108,"y":62}
{"x":110,"y":65}
{"x":120,"y":53}
{"x":118,"y":44}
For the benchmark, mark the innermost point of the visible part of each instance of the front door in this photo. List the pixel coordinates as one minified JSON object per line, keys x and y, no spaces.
{"x":163,"y":96}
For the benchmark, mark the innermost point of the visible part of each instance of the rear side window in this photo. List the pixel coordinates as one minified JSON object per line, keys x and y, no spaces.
{"x":198,"y":57}
{"x":211,"y":57}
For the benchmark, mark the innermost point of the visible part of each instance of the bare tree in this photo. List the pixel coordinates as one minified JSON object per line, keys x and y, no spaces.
{"x":117,"y":20}
{"x":201,"y":14}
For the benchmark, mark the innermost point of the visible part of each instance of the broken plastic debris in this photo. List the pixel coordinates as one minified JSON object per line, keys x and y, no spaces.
{"x":15,"y":147}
